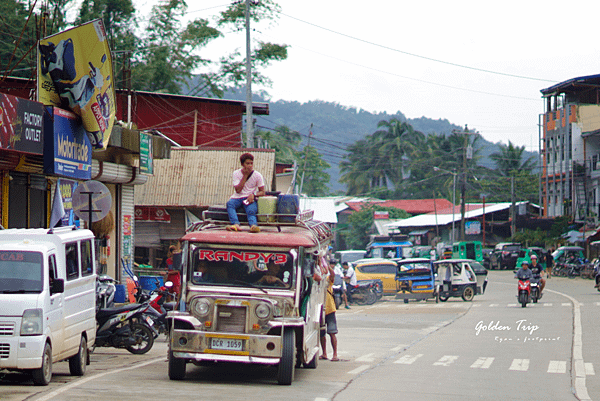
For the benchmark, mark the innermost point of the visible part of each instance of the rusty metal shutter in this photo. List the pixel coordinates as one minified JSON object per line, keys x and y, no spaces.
{"x":147,"y":234}
{"x":176,"y":228}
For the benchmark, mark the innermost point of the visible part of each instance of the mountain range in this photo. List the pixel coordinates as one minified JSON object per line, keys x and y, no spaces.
{"x":335,"y":126}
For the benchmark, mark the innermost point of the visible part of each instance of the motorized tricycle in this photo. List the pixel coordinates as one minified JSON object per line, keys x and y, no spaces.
{"x":455,"y":278}
{"x":415,"y":279}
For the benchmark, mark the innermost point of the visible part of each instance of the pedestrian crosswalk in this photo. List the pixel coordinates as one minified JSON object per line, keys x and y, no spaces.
{"x":482,"y":362}
{"x":461,"y":304}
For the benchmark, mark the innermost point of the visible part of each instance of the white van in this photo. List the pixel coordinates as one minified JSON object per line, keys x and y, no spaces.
{"x":47,"y":298}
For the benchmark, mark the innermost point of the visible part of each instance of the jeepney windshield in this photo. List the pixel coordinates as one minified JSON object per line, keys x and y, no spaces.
{"x":242,"y":268}
{"x":21,"y":272}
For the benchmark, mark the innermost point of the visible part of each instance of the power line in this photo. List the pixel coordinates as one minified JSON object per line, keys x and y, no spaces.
{"x":419,"y":56}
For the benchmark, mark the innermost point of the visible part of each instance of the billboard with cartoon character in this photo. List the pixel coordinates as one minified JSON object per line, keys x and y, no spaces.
{"x":75,"y":72}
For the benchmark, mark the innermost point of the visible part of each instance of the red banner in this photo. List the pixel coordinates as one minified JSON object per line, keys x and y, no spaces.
{"x":151,"y":213}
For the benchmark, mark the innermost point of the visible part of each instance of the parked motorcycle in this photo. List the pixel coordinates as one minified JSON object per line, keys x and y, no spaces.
{"x":597,"y":274}
{"x":105,"y":292}
{"x":363,"y":293}
{"x":125,"y":327}
{"x":158,"y":308}
{"x":338,"y":291}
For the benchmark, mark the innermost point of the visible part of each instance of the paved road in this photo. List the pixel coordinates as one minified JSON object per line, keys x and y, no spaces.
{"x":488,"y":349}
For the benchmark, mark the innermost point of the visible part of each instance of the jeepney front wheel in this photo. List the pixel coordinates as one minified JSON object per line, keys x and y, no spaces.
{"x":176,"y":367}
{"x":287,"y":364}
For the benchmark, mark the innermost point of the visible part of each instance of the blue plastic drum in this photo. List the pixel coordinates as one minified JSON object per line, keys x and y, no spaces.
{"x":288,"y":205}
{"x":149,"y":282}
{"x":120,"y":293}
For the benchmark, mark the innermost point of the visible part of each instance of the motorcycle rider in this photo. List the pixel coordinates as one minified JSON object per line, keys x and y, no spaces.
{"x":524,"y":273}
{"x":350,"y":278}
{"x":538,"y":269}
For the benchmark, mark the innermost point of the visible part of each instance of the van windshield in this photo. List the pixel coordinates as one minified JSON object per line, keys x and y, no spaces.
{"x":242,"y":268}
{"x":21,"y":272}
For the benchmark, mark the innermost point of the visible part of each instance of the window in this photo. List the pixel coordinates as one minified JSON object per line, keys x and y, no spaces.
{"x":87,"y":265}
{"x":72,"y":260}
{"x":52,"y":268}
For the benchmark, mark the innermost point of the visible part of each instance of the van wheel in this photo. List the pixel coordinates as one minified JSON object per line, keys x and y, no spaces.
{"x":468,"y":294}
{"x":287,"y":365}
{"x":176,"y":367}
{"x":43,"y":375}
{"x":78,"y":362}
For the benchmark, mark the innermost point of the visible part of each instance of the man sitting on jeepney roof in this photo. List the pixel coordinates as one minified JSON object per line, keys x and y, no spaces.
{"x":248,"y":184}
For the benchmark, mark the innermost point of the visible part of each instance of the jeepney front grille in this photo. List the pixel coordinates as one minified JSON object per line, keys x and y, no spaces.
{"x":231,"y":319}
{"x":7,"y":328}
{"x":4,"y":350}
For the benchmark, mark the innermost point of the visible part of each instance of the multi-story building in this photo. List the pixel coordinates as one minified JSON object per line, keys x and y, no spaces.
{"x":570,"y":148}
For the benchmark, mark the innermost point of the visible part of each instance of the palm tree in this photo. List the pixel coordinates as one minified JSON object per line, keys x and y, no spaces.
{"x":510,"y":160}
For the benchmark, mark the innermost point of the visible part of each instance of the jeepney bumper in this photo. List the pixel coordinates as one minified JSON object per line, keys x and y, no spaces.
{"x":205,"y":346}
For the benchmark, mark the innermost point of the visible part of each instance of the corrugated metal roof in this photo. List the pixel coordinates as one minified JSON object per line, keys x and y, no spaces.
{"x":199,"y":178}
{"x":442,"y":219}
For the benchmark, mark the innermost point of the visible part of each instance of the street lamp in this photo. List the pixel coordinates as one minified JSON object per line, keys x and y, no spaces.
{"x":454,"y":173}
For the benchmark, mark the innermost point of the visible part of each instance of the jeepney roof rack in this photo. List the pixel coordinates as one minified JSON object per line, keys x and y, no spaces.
{"x":319,"y":229}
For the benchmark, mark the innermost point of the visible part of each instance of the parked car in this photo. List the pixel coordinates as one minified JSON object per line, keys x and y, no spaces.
{"x":377,"y":268}
{"x":349,"y":256}
{"x":487,"y":255}
{"x":505,"y":255}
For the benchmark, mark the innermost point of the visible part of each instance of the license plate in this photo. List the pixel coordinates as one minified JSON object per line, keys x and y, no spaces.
{"x":149,"y":321}
{"x":515,"y":255}
{"x":228,"y":344}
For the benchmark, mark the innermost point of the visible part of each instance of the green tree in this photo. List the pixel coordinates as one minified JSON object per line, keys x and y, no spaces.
{"x":283,"y":140}
{"x":19,"y":36}
{"x":510,"y":159}
{"x":170,"y":49}
{"x":356,"y":234}
{"x":312,"y":173}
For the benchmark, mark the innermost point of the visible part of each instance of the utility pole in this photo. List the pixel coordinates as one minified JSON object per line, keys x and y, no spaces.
{"x":513,"y":213}
{"x":305,"y":158}
{"x":249,"y":121}
{"x":463,"y":189}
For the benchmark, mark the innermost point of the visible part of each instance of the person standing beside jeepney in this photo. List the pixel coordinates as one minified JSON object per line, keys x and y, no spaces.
{"x":248,"y":185}
{"x":330,"y":319}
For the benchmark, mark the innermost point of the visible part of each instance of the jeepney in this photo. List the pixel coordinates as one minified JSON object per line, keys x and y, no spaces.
{"x":251,"y":297}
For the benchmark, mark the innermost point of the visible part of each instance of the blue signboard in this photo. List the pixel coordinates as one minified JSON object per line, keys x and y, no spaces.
{"x":67,"y":151}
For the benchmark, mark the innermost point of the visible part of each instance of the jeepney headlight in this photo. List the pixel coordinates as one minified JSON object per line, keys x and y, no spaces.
{"x":31,"y":325}
{"x":200,"y":307}
{"x":262,"y":310}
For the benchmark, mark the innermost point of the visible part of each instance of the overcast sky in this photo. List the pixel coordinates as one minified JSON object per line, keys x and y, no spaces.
{"x":470,"y":62}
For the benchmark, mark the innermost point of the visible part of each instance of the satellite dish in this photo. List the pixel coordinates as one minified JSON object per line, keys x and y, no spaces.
{"x":91,"y":200}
